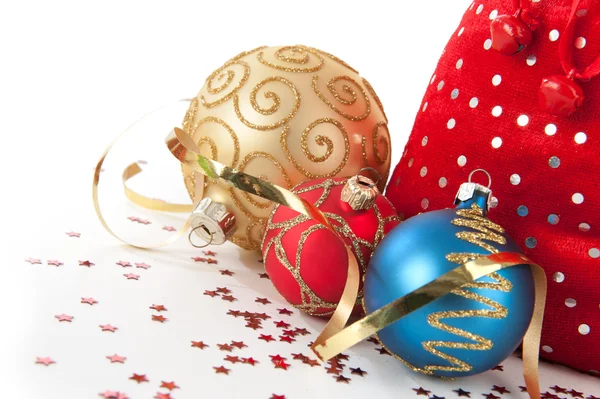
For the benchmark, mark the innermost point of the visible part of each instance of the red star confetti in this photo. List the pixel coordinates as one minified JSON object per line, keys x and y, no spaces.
{"x":223,"y":290}
{"x":437,"y":397}
{"x":264,"y":301}
{"x":285,"y":311}
{"x":499,"y":368}
{"x":274,"y":396}
{"x":46,"y":361}
{"x":264,"y":275}
{"x":168,"y":385}
{"x":142,"y":265}
{"x":522,"y":388}
{"x":158,"y":308}
{"x":232,"y":359}
{"x":212,"y":261}
{"x":461,"y":392}
{"x":301,"y":331}
{"x":266,"y":338}
{"x":199,"y":344}
{"x":73,"y":234}
{"x":333,"y":370}
{"x":139,"y":378}
{"x":55,"y":263}
{"x":222,"y":370}
{"x":131,"y":276}
{"x":239,"y":344}
{"x":421,"y":391}
{"x":311,"y":362}
{"x":225,"y":347}
{"x":383,"y":351}
{"x":198,"y":259}
{"x":160,"y":395}
{"x":108,"y":327}
{"x":575,"y":393}
{"x":373,"y":340}
{"x":113,"y":395}
{"x":342,"y":356}
{"x":86,"y":263}
{"x":500,"y":390}
{"x":234,"y":313}
{"x":229,"y":298}
{"x":169,"y":228}
{"x":358,"y":371}
{"x":254,"y":325}
{"x":558,"y":389}
{"x":64,"y":317}
{"x":116,"y":358}
{"x":211,"y":293}
{"x":291,"y":333}
{"x":299,"y":356}
{"x":341,"y":378}
{"x":281,"y":365}
{"x":226,"y":272}
{"x":249,"y":360}
{"x":160,"y":318}
{"x":89,"y":301}
{"x":286,"y":338}
{"x":548,"y":395}
{"x":490,"y":396}
{"x":276,"y":358}
{"x":123,"y":263}
{"x":34,"y":261}
{"x":209,"y":253}
{"x":143,"y":221}
{"x":281,"y":324}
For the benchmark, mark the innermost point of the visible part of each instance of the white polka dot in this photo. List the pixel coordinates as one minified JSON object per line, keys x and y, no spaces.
{"x":462,"y":160}
{"x":454,"y":94}
{"x":460,"y":32}
{"x":424,"y":141}
{"x":497,"y":111}
{"x":410,"y":162}
{"x":496,"y":142}
{"x":554,"y":35}
{"x":440,"y":85}
{"x":474,"y":102}
{"x":547,"y":349}
{"x":584,"y":329}
{"x":423,"y":171}
{"x":558,"y":277}
{"x":443,"y":182}
{"x":577,"y":198}
{"x":580,"y":138}
{"x":581,"y":13}
{"x":479,"y":9}
{"x":584,"y":227}
{"x":523,"y":120}
{"x":550,"y":129}
{"x":451,"y":123}
{"x":496,"y":80}
{"x":594,"y":253}
{"x":494,"y":14}
{"x":531,"y":60}
{"x":432,"y":79}
{"x":459,"y":63}
{"x":570,"y":302}
{"x":425,"y":106}
{"x":487,"y":44}
{"x":580,"y":42}
{"x":424,"y":203}
{"x":515,"y":179}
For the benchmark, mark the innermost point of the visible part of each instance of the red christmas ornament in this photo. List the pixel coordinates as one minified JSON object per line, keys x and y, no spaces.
{"x":510,"y":34}
{"x":560,"y":95}
{"x":306,"y":262}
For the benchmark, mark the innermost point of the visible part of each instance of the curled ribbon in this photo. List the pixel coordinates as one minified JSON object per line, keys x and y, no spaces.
{"x":334,"y":339}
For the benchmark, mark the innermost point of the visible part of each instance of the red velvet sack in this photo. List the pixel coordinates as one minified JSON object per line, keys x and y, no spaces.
{"x":482,"y":110}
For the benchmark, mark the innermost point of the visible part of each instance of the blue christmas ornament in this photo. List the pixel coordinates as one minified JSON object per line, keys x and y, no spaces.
{"x":475,"y":327}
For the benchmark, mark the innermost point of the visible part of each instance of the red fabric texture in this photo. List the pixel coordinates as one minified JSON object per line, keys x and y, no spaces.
{"x":540,"y":208}
{"x":323,"y":263}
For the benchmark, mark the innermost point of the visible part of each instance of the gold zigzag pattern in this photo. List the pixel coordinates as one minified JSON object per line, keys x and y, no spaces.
{"x":484,"y":230}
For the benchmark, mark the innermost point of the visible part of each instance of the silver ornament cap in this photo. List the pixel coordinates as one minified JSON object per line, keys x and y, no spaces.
{"x":360,"y":192}
{"x":469,"y":189}
{"x":212,"y":222}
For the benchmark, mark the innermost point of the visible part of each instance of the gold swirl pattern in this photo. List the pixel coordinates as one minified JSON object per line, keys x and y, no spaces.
{"x":320,"y":140}
{"x":348,"y":90}
{"x":268,"y":111}
{"x":311,"y":302}
{"x":385,"y":141}
{"x":336,"y":59}
{"x":218,"y":75}
{"x":246,"y":53}
{"x":190,"y":115}
{"x":489,"y":231}
{"x":295,"y":55}
{"x":372,"y":92}
{"x":206,"y":139}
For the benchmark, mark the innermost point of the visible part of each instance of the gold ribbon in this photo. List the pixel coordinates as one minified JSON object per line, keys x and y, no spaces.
{"x":334,"y":339}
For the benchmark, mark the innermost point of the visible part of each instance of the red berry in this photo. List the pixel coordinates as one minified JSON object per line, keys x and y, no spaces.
{"x":560,"y":95}
{"x":509,"y":34}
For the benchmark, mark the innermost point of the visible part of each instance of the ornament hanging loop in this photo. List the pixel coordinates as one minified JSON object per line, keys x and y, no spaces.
{"x":205,"y":229}
{"x":486,"y":173}
{"x":360,"y":192}
{"x":373,"y":183}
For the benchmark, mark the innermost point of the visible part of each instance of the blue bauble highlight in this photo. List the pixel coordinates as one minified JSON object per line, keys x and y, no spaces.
{"x":413,"y":254}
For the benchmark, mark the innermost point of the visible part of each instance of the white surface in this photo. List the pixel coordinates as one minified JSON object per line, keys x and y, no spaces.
{"x":72,"y":75}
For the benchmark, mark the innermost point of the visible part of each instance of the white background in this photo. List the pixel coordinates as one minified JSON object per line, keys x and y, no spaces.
{"x":73,"y":74}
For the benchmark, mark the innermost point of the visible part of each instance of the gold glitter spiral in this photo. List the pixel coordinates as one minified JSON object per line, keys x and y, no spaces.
{"x":349,"y":89}
{"x":294,"y":55}
{"x":223,"y":79}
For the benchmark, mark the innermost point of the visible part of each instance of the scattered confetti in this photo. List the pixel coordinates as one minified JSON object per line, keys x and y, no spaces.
{"x":116,"y":358}
{"x":64,"y":317}
{"x":421,"y":391}
{"x":239,"y":344}
{"x":281,"y":365}
{"x":226,"y":272}
{"x":490,"y":396}
{"x":211,"y":293}
{"x":249,"y":360}
{"x":558,"y":389}
{"x":123,"y":263}
{"x":86,"y":263}
{"x":223,"y":290}
{"x":55,"y":263}
{"x":108,"y":327}
{"x":89,"y":301}
{"x":199,"y":344}
{"x":139,"y":378}
{"x":341,"y":378}
{"x":383,"y":351}
{"x":168,"y":385}
{"x":210,"y":253}
{"x":73,"y":234}
{"x":212,"y":261}
{"x":46,"y":361}
{"x":131,"y":276}
{"x":264,"y":301}
{"x":222,"y":370}
{"x":232,"y":359}
{"x":160,"y":395}
{"x":34,"y":261}
{"x":160,"y":318}
{"x":275,"y":396}
{"x":575,"y":393}
{"x":142,"y":265}
{"x":358,"y":371}
{"x":285,"y":311}
{"x":266,"y":338}
{"x":264,"y":275}
{"x":198,"y":259}
{"x":229,"y":298}
{"x":499,"y":368}
{"x":286,"y":338}
{"x":500,"y":390}
{"x":169,"y":228}
{"x":461,"y":392}
{"x":281,"y":324}
{"x":225,"y":347}
{"x":158,"y":308}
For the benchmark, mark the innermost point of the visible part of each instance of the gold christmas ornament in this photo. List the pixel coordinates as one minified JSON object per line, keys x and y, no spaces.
{"x":286,"y":114}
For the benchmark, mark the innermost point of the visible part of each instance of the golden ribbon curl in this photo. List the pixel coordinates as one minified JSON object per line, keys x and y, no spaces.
{"x":334,"y":338}
{"x":217,"y":76}
{"x":274,"y":97}
{"x":347,"y":90}
{"x":320,"y":140}
{"x":294,"y":55}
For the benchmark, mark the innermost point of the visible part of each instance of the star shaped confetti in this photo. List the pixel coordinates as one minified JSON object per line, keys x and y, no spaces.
{"x":239,"y":344}
{"x":160,"y":395}
{"x":221,"y":370}
{"x":64,"y":317}
{"x":89,"y":301}
{"x":212,"y":261}
{"x":225,"y":347}
{"x":285,"y":311}
{"x":333,"y":370}
{"x":341,"y":378}
{"x":499,"y":368}
{"x":160,"y":318}
{"x":123,"y":263}
{"x":301,"y":331}
{"x":168,"y":385}
{"x":113,"y":395}
{"x":575,"y":393}
{"x":373,"y":340}
{"x":311,"y":362}
{"x":55,"y":263}
{"x":198,"y":259}
{"x":169,"y":228}
{"x":500,"y":390}
{"x":199,"y":344}
{"x":232,"y":359}
{"x":286,"y":338}
{"x":142,"y":265}
{"x":281,"y":365}
{"x":264,"y":301}
{"x":491,"y":396}
{"x":131,"y":276}
{"x":226,"y":272}
{"x":558,"y":389}
{"x":461,"y":392}
{"x":211,"y":293}
{"x":116,"y":358}
{"x":358,"y":371}
{"x":210,"y":253}
{"x":274,"y":396}
{"x":139,"y":378}
{"x":421,"y":391}
{"x":34,"y":261}
{"x":249,"y":360}
{"x":223,"y":290}
{"x":73,"y":234}
{"x":158,"y":308}
{"x":86,"y":263}
{"x":266,"y":338}
{"x":108,"y":327}
{"x":264,"y":275}
{"x":228,"y":298}
{"x":281,"y":324}
{"x":383,"y":351}
{"x":46,"y":361}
